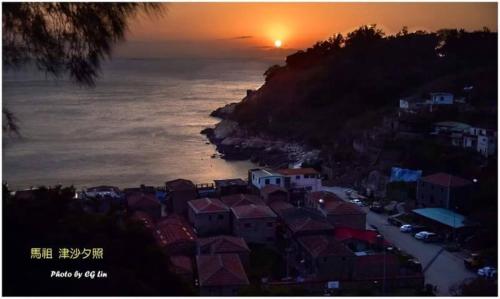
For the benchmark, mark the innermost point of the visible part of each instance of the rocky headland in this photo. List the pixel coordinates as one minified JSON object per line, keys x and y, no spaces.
{"x":234,"y":142}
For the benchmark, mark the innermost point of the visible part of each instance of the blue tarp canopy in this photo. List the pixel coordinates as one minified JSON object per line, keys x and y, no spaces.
{"x":405,"y":175}
{"x":444,"y":216}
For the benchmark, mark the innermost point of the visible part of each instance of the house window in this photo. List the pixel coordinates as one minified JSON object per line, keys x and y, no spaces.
{"x":325,"y":259}
{"x":269,"y":224}
{"x":269,"y":239}
{"x":278,"y":181}
{"x":297,"y":177}
{"x":248,"y":225}
{"x":266,"y":181}
{"x":220,"y":217}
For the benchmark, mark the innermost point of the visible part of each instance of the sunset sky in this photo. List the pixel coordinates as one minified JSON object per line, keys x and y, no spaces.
{"x":251,"y":29}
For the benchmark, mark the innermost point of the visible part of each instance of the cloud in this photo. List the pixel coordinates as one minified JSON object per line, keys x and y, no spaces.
{"x":242,"y":37}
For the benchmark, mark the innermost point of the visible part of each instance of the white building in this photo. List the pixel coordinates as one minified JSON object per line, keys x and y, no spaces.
{"x":463,"y":135}
{"x":301,"y":178}
{"x":261,"y":178}
{"x":441,"y":98}
{"x":416,"y":103}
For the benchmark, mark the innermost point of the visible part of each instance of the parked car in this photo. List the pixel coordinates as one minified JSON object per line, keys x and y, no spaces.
{"x":406,"y":228}
{"x":487,"y":272}
{"x":357,"y":202}
{"x":427,"y":236}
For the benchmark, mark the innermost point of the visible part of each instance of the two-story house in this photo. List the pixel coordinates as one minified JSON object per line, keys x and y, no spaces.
{"x":254,"y":223}
{"x":323,"y":257}
{"x":209,"y":216}
{"x":179,"y":192}
{"x":225,"y":244}
{"x":241,"y":199}
{"x":301,"y":178}
{"x":442,"y":190}
{"x":260,"y":178}
{"x":145,"y":202}
{"x":220,"y":274}
{"x":338,"y":212}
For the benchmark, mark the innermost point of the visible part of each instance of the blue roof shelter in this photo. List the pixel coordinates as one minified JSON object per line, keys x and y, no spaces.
{"x":444,"y":216}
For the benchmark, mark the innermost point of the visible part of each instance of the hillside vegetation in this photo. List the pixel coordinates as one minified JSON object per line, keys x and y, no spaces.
{"x":347,"y":82}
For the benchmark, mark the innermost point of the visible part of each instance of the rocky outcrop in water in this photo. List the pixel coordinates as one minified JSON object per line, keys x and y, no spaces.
{"x":235,"y":143}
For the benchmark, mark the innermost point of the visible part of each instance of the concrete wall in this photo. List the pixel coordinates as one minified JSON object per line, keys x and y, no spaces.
{"x":260,"y":230}
{"x":177,"y":201}
{"x":210,"y":223}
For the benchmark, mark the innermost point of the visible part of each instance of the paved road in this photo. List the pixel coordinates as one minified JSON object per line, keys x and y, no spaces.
{"x":442,"y":268}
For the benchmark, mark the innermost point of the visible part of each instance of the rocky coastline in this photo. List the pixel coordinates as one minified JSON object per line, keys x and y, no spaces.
{"x":235,"y":143}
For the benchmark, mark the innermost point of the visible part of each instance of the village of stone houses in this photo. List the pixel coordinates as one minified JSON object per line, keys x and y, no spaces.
{"x":398,"y":231}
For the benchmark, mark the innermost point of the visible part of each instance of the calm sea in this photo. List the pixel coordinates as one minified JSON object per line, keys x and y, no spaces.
{"x":141,"y":123}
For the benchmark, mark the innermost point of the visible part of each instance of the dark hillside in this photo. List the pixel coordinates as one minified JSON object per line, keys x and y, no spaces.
{"x":345,"y":79}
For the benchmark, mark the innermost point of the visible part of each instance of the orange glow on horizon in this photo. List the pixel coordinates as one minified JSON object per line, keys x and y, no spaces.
{"x":257,"y":26}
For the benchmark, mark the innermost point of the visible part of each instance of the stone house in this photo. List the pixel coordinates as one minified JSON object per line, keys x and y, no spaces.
{"x":179,"y":192}
{"x":220,"y":274}
{"x":209,"y":216}
{"x":255,"y":223}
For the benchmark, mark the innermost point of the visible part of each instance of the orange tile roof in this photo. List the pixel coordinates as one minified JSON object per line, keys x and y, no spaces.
{"x":221,"y":270}
{"x":234,"y":200}
{"x":297,"y":171}
{"x":224,"y":244}
{"x":173,"y":229}
{"x":253,"y":211}
{"x":446,"y":180}
{"x":324,"y":245}
{"x":208,"y":205}
{"x":342,"y":208}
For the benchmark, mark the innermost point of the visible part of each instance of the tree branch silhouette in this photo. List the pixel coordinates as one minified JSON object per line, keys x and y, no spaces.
{"x":64,"y":38}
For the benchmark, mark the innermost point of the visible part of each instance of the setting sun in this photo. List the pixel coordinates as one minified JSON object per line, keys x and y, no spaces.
{"x":277,"y":43}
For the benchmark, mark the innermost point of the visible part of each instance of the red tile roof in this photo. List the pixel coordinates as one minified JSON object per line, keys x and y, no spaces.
{"x":144,"y":218}
{"x":372,"y":266}
{"x":307,"y":224}
{"x":281,"y":207}
{"x":173,"y":229}
{"x":234,"y":200}
{"x":271,"y":188}
{"x":208,"y":205}
{"x":342,"y":208}
{"x":142,"y":200}
{"x":297,"y":171}
{"x":181,"y":264}
{"x":221,"y":270}
{"x":446,"y":180}
{"x":253,"y":211}
{"x":324,"y":245}
{"x":224,"y":244}
{"x":180,"y":185}
{"x":346,"y":233}
{"x":326,"y":196}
